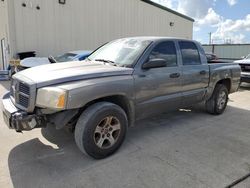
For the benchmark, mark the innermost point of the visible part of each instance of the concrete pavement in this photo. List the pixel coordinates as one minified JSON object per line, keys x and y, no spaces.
{"x":183,"y":149}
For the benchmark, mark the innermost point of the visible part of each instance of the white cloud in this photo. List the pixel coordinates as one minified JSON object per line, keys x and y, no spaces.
{"x":167,"y":3}
{"x":194,"y":8}
{"x":232,"y":2}
{"x":232,"y":30}
{"x":228,"y":30}
{"x":212,"y":18}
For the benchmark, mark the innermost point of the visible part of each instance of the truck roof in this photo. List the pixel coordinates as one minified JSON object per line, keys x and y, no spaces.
{"x":157,"y":38}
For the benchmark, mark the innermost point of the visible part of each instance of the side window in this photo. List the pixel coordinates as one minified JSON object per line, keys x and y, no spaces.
{"x":165,"y":50}
{"x":190,"y":53}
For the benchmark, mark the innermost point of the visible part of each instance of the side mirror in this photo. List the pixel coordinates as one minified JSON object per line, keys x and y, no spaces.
{"x":154,"y":63}
{"x":243,"y":57}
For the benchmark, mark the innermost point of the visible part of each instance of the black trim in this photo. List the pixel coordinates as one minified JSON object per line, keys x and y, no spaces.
{"x":168,"y":9}
{"x":62,"y":2}
{"x":236,"y":182}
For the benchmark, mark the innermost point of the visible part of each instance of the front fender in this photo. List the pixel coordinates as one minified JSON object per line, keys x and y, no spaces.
{"x":82,"y":92}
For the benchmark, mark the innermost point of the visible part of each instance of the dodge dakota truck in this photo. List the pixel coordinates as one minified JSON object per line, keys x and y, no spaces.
{"x":121,"y":82}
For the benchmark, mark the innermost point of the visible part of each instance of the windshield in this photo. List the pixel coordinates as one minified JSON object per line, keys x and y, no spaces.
{"x":122,"y":52}
{"x":248,"y":56}
{"x":65,"y":57}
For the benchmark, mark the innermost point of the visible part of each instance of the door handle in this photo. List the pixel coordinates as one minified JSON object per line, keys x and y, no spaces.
{"x":203,"y":72}
{"x":141,"y":75}
{"x":175,"y":75}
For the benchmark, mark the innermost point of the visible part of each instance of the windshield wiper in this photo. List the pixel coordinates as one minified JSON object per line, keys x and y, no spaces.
{"x":87,"y":59}
{"x":106,"y":61}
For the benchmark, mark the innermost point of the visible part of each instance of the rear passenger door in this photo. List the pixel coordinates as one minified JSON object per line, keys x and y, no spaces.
{"x":195,"y":73}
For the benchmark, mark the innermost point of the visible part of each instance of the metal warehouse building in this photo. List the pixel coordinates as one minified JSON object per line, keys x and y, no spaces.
{"x":51,"y":27}
{"x":228,"y":51}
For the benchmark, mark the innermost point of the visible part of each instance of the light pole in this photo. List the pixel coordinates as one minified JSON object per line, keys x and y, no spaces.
{"x":210,"y":37}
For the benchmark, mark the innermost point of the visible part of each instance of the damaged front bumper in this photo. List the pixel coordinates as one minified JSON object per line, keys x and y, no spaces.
{"x":18,"y":119}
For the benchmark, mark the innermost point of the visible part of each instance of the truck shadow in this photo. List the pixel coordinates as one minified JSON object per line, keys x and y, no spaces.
{"x":35,"y":164}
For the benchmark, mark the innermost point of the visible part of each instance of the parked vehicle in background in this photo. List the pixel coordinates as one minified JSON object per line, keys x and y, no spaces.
{"x":37,"y":61}
{"x":211,"y":56}
{"x":73,"y":56}
{"x":123,"y":81}
{"x":245,"y":68}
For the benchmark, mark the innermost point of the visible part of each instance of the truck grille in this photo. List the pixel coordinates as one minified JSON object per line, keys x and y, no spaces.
{"x":24,"y":88}
{"x":245,"y":67}
{"x":20,"y":92}
{"x":24,"y":101}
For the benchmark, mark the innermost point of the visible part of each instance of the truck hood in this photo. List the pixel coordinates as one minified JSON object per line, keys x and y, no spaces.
{"x":57,"y":73}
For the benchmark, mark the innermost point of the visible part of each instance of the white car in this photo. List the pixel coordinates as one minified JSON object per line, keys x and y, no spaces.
{"x":245,"y":68}
{"x":36,"y":61}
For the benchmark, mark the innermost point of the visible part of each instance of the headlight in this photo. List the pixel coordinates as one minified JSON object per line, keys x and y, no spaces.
{"x":51,"y":97}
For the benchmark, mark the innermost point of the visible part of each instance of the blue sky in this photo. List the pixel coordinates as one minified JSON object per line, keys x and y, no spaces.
{"x":228,"y":20}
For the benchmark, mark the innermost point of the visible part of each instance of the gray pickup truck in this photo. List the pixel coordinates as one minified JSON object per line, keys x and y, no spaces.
{"x":119,"y":83}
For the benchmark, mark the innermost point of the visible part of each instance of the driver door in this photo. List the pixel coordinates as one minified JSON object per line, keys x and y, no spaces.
{"x":159,"y":89}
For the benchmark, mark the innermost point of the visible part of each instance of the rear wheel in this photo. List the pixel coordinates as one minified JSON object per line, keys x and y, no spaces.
{"x":218,"y":101}
{"x":101,"y":129}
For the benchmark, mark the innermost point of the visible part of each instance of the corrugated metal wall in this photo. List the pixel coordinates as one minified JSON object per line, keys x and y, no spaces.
{"x":3,"y":29}
{"x":86,"y":24}
{"x":229,"y":51}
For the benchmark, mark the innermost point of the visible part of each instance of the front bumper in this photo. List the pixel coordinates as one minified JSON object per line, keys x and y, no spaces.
{"x":18,"y":119}
{"x":245,"y":77}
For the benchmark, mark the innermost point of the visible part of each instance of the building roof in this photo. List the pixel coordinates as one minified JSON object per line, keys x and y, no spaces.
{"x":244,"y":44}
{"x":168,"y":9}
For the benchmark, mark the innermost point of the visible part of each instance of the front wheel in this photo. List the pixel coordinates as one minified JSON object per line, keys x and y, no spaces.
{"x":101,"y":129}
{"x":218,"y":101}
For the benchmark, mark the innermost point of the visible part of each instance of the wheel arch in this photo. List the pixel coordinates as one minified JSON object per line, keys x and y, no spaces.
{"x":226,"y":82}
{"x":120,"y":100}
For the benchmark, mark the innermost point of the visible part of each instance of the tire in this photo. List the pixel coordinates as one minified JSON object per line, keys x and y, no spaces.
{"x":101,"y":129}
{"x":218,"y":102}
